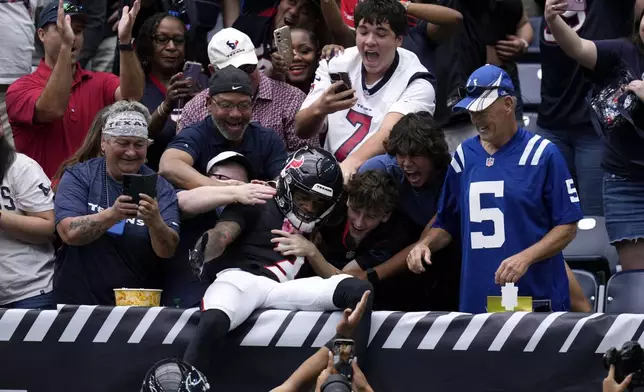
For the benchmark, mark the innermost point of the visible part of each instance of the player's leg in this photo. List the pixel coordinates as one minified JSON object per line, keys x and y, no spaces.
{"x":227,"y":303}
{"x":338,"y":292}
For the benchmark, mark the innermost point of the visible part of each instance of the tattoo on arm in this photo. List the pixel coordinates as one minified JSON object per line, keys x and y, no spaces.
{"x":85,"y":229}
{"x":220,"y":237}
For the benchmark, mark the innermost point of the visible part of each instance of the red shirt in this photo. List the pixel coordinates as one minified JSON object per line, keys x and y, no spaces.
{"x":348,"y":6}
{"x":51,"y":143}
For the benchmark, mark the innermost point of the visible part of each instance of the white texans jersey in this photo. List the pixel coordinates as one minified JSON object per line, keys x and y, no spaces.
{"x":405,"y":88}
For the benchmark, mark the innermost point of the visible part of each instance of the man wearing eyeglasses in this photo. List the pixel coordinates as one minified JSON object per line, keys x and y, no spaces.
{"x":51,"y":109}
{"x":510,"y":199}
{"x":275,"y":103}
{"x":227,"y":128}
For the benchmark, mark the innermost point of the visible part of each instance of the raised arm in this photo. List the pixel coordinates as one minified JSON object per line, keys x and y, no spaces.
{"x":442,"y":21}
{"x":53,"y":101}
{"x":581,"y":50}
{"x":132,"y":76}
{"x":342,"y":34}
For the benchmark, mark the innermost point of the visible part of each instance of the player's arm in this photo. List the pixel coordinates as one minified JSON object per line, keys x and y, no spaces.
{"x":296,"y":245}
{"x":223,"y":234}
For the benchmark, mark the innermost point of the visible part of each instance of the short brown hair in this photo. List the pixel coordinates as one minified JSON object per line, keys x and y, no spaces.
{"x":373,"y":191}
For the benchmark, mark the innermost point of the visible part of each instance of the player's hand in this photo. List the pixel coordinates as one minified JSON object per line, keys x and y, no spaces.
{"x":511,"y":269}
{"x":637,"y":87}
{"x":293,"y":244}
{"x":349,"y":167}
{"x":123,"y":208}
{"x":360,"y":383}
{"x":510,"y":48}
{"x":610,"y":385}
{"x":330,"y":51}
{"x":351,"y":317}
{"x":197,"y":256}
{"x":331,"y":102}
{"x":418,"y":255}
{"x":554,"y":8}
{"x":330,"y":369}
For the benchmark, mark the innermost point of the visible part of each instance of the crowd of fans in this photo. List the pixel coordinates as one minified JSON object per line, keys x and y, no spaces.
{"x":388,"y":155}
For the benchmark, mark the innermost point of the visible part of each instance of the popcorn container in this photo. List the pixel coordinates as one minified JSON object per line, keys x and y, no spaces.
{"x":137,"y":297}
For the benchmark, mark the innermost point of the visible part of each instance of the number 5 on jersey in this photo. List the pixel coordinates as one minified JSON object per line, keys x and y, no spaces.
{"x":478,"y":215}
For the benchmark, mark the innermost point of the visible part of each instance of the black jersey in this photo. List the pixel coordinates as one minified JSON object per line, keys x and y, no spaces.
{"x":253,"y":250}
{"x":383,"y":242}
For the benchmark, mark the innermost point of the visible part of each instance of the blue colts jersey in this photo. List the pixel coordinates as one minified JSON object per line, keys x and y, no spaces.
{"x":500,"y":205}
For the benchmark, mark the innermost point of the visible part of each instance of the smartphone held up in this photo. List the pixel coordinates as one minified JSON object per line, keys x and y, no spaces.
{"x":282,"y":37}
{"x":577,"y":5}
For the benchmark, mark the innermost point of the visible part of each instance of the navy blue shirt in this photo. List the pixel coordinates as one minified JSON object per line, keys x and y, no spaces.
{"x":262,"y":146}
{"x":418,"y":42}
{"x":419,"y":204}
{"x":563,"y":85}
{"x":623,"y":150}
{"x":88,"y":274}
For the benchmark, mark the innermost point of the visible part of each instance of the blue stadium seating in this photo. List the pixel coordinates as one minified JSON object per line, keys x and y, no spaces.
{"x":590,"y":250}
{"x":589,"y":284}
{"x":624,"y":292}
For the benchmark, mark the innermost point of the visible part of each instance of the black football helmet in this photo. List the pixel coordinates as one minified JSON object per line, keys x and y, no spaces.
{"x":315,"y":172}
{"x":174,"y":375}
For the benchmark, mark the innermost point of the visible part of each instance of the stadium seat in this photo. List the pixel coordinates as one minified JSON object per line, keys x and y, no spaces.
{"x":589,"y":284}
{"x":530,"y":79}
{"x":624,"y":292}
{"x":591,"y":251}
{"x":530,"y":121}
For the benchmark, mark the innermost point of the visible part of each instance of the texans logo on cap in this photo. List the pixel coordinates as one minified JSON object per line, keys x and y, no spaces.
{"x":232,"y":44}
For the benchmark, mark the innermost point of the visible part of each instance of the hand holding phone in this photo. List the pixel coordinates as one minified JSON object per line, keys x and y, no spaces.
{"x":134,"y":184}
{"x":282,"y":37}
{"x":344,"y":78}
{"x":576,"y":5}
{"x":193,"y":71}
{"x":343,"y":354}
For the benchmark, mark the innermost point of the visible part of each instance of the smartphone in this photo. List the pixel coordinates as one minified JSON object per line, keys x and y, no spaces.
{"x":282,"y":37}
{"x":576,"y":5}
{"x":341,"y":77}
{"x":133,"y":184}
{"x":343,"y":357}
{"x":193,"y":71}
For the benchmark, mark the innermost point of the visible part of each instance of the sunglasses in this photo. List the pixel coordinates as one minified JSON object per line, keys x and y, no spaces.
{"x":73,"y":8}
{"x":477,"y":91}
{"x":248,"y":68}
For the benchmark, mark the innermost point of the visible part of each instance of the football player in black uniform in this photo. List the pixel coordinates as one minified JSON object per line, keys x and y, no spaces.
{"x":251,"y":273}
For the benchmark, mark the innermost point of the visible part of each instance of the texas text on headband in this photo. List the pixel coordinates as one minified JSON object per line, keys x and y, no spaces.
{"x":130,"y":123}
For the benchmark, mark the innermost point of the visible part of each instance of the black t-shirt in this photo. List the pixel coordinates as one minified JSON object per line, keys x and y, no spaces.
{"x":563,"y":86}
{"x":457,"y":57}
{"x":253,"y":250}
{"x":623,"y":150}
{"x":382,"y":243}
{"x":423,"y":46}
{"x":502,"y":21}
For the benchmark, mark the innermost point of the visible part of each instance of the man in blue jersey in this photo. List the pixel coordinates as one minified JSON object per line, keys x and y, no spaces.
{"x":509,"y":196}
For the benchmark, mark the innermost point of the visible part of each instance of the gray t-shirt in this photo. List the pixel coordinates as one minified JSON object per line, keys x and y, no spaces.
{"x":17,"y":32}
{"x":26,"y":270}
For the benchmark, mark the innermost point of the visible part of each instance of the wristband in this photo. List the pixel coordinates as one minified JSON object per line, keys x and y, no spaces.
{"x":126,"y":46}
{"x":372,"y":276}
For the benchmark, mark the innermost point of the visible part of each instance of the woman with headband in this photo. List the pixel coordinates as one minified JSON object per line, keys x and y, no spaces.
{"x":110,"y":242}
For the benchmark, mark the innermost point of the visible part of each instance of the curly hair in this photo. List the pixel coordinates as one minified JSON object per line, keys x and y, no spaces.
{"x":418,"y":134}
{"x":382,"y":11}
{"x":7,"y":156}
{"x":145,"y":38}
{"x":372,"y":191}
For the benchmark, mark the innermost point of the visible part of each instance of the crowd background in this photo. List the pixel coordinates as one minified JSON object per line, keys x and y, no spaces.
{"x":92,"y":90}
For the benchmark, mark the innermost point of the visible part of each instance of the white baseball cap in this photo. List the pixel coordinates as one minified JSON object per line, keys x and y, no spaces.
{"x":231,"y":47}
{"x":232,"y":156}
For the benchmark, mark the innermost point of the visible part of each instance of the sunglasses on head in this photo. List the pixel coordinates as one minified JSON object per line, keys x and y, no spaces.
{"x":248,"y":68}
{"x":73,"y":8}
